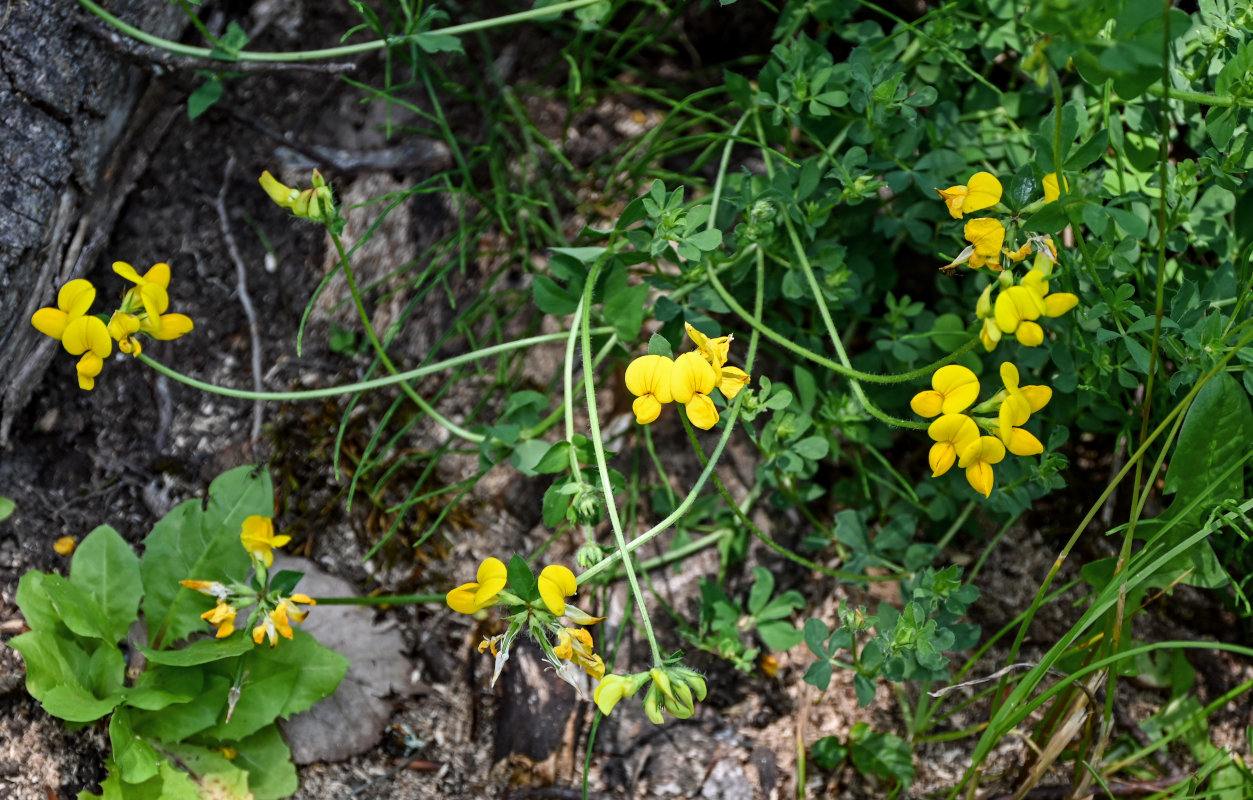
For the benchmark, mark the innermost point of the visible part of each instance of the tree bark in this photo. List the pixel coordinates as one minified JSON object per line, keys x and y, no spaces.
{"x":68,"y":104}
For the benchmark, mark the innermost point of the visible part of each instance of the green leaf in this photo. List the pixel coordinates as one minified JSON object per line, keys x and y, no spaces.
{"x":186,"y":719}
{"x":827,"y":753}
{"x":522,"y":581}
{"x":265,"y":755}
{"x":136,"y":760}
{"x":624,"y":305}
{"x":812,"y":447}
{"x":551,"y":298}
{"x":218,"y":776}
{"x":105,"y":566}
{"x":779,"y":635}
{"x":285,"y":581}
{"x":865,"y":689}
{"x":282,"y":681}
{"x":659,"y":345}
{"x":763,"y":587}
{"x":51,"y":661}
{"x":76,"y":704}
{"x":1217,"y":430}
{"x":884,"y":755}
{"x":77,"y":609}
{"x":7,"y":506}
{"x":555,"y":459}
{"x":158,"y":687}
{"x":33,"y":600}
{"x":202,"y":651}
{"x":819,"y":674}
{"x":439,"y":43}
{"x":198,"y":543}
{"x":816,"y":633}
{"x":204,"y":96}
{"x":527,"y":455}
{"x":555,"y":503}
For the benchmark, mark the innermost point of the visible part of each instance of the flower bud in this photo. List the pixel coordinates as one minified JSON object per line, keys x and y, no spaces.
{"x":590,"y":555}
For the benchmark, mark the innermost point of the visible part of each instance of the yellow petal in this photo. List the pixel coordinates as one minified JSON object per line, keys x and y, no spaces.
{"x":954,"y":197}
{"x":492,"y":575}
{"x":980,"y":477}
{"x":87,"y":334}
{"x":155,"y":299}
{"x":1021,"y":442}
{"x":169,"y":326}
{"x":1037,"y":396}
{"x":1051,"y":189}
{"x":957,"y":429}
{"x":159,"y":275}
{"x":646,"y":409}
{"x":88,"y":367}
{"x":76,"y":297}
{"x":1030,"y":334}
{"x":461,"y":599}
{"x":1015,"y":304}
{"x":985,"y":449}
{"x":1057,"y":304}
{"x":691,"y":375}
{"x":556,"y":583}
{"x":701,"y":412}
{"x":714,"y":350}
{"x":650,"y":375}
{"x":987,"y":235}
{"x":280,"y":194}
{"x":941,"y":458}
{"x":958,"y":385}
{"x":989,"y":334}
{"x":127,"y":271}
{"x":50,"y":322}
{"x":927,"y":403}
{"x":982,"y":191}
{"x":609,"y":691}
{"x":733,"y":379}
{"x":1009,"y":376}
{"x":983,"y":308}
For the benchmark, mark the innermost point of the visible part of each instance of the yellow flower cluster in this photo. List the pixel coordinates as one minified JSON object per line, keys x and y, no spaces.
{"x":656,"y":380}
{"x":274,"y":613}
{"x":556,"y":583}
{"x":957,"y":435}
{"x":675,"y":689}
{"x":1017,"y":306}
{"x":142,"y":310}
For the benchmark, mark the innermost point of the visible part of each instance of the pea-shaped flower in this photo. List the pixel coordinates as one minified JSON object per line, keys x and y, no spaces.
{"x":951,"y":432}
{"x":648,"y":378}
{"x":556,"y":583}
{"x":690,"y":384}
{"x":79,"y":333}
{"x":982,"y":191}
{"x":471,"y":597}
{"x":977,"y":459}
{"x":953,"y":389}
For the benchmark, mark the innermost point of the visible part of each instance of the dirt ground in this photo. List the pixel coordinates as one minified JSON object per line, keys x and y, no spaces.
{"x":139,"y":443}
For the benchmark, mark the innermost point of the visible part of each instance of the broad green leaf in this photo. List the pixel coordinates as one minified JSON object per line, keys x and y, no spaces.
{"x":865,"y":689}
{"x":827,"y":753}
{"x":106,"y":672}
{"x":659,"y":345}
{"x":177,"y":723}
{"x":816,"y":633}
{"x":551,"y":298}
{"x":76,"y":704}
{"x":527,"y":455}
{"x":204,"y":96}
{"x":135,"y":760}
{"x":219,"y":777}
{"x":439,"y":43}
{"x":198,"y":543}
{"x":7,"y":507}
{"x":201,"y":651}
{"x":105,"y":566}
{"x":624,"y":305}
{"x":265,"y":755}
{"x":779,"y":635}
{"x":282,"y":681}
{"x":77,"y":609}
{"x":33,"y":601}
{"x":556,"y":459}
{"x":158,"y":687}
{"x":51,"y":661}
{"x":884,"y":755}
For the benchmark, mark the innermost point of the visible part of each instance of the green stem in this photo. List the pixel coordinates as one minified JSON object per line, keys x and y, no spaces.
{"x":351,"y":388}
{"x":1200,"y":98}
{"x":333,"y":52}
{"x":382,"y":600}
{"x":426,"y":407}
{"x":598,"y":448}
{"x":869,"y":377}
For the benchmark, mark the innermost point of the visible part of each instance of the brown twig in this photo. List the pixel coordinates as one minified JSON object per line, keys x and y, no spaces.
{"x":241,"y":282}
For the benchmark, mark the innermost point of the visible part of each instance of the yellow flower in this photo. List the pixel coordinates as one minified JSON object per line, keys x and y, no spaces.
{"x":471,"y":597}
{"x":728,"y":379}
{"x":258,"y":538}
{"x":556,"y":583}
{"x":954,"y":388}
{"x":648,"y":378}
{"x":151,"y":293}
{"x":1054,"y":304}
{"x":222,"y":617}
{"x":982,"y":191}
{"x":1051,"y":189}
{"x":1017,"y":307}
{"x":282,"y":195}
{"x":1016,"y":408}
{"x":952,"y":433}
{"x":65,"y":545}
{"x":79,"y":334}
{"x":986,"y":235}
{"x":691,"y":381}
{"x":977,"y":458}
{"x":575,"y":644}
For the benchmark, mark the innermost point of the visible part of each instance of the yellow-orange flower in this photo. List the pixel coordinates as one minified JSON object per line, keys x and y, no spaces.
{"x":716,"y":350}
{"x":691,"y":382}
{"x":258,"y":538}
{"x":79,"y":333}
{"x":222,"y":617}
{"x":648,"y":378}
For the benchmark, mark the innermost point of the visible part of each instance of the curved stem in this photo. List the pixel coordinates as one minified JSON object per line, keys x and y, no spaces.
{"x":351,"y":388}
{"x":417,"y":399}
{"x":330,"y":52}
{"x":840,"y":369}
